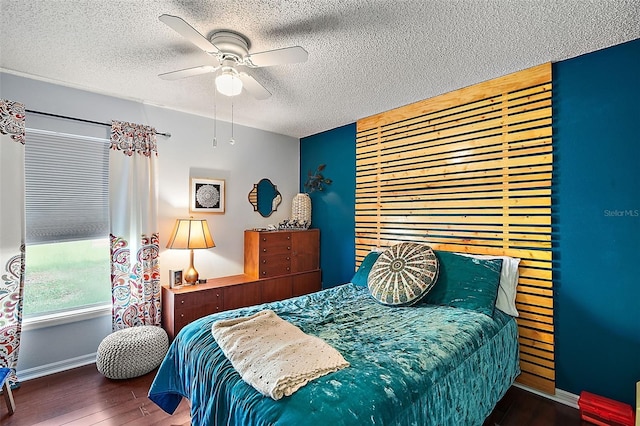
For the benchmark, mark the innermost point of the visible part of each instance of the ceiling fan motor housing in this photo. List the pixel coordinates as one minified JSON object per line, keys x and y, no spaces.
{"x":231,"y":45}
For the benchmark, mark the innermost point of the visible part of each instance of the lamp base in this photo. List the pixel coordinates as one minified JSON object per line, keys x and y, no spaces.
{"x":190,"y":275}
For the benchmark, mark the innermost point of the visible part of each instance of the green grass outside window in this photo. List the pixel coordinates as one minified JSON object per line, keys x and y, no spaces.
{"x":65,"y":276}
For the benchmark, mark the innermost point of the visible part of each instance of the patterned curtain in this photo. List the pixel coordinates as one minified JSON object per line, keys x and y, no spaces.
{"x":135,"y":246}
{"x":12,"y":234}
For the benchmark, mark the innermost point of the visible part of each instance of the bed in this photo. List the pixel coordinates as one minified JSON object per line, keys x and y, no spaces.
{"x":424,"y":363}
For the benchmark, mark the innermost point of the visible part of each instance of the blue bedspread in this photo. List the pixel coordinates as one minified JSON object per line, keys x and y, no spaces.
{"x":418,"y":365}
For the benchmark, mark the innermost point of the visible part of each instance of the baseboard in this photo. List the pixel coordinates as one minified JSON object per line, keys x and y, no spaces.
{"x":567,"y":398}
{"x":55,"y":367}
{"x":561,"y":396}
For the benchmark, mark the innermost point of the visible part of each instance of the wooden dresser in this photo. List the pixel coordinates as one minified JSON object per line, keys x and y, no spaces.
{"x":277,"y":265}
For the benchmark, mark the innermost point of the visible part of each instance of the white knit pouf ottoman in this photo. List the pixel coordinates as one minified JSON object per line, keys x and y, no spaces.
{"x":132,"y":352}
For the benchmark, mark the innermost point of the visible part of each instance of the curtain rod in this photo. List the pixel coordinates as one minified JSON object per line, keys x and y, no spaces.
{"x":82,"y":120}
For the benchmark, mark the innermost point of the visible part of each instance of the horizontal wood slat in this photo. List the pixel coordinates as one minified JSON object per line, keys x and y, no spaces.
{"x":536,"y":382}
{"x":536,"y":317}
{"x":534,"y":324}
{"x":470,"y":171}
{"x":537,"y":369}
{"x":535,"y":334}
{"x":537,"y":345}
{"x":537,"y":310}
{"x":540,"y":353}
{"x":532,"y":358}
{"x":411,"y":217}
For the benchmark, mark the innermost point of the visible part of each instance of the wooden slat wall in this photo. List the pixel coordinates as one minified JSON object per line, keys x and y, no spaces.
{"x":470,"y":171}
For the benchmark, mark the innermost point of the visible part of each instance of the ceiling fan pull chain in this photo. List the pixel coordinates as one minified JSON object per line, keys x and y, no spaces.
{"x":215,"y":119}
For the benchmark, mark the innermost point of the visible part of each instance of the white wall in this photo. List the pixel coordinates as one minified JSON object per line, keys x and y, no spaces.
{"x":187,"y":153}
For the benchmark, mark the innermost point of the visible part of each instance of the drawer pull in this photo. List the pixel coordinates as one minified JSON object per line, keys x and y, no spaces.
{"x":264,"y":250}
{"x":182,"y":302}
{"x":264,"y":238}
{"x":264,"y":272}
{"x":288,"y":258}
{"x":288,"y":269}
{"x":181,"y":315}
{"x":288,"y":248}
{"x":264,"y":261}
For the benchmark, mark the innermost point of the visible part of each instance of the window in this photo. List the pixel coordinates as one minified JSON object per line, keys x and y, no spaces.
{"x":67,"y":224}
{"x":67,"y":275}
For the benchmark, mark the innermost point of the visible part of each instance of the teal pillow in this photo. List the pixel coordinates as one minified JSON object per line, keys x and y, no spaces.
{"x":362,"y":274}
{"x":466,"y":282}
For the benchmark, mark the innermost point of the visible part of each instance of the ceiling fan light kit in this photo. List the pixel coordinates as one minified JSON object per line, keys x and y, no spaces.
{"x":231,"y":50}
{"x":228,"y":83}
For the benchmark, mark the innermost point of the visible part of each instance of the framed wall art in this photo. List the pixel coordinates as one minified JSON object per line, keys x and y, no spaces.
{"x":206,"y":195}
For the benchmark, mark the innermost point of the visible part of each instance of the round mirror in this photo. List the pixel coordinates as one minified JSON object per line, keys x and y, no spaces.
{"x":264,"y":197}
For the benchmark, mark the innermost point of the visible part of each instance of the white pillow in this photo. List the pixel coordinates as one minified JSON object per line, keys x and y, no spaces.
{"x":506,"y":300}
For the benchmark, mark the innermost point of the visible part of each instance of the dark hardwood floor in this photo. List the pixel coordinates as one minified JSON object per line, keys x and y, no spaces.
{"x":522,"y":408}
{"x":83,"y":397}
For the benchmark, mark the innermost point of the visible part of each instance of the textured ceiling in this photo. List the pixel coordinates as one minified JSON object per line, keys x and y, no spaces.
{"x":365,"y":56}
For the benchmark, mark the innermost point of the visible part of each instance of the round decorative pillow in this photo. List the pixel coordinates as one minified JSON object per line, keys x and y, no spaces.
{"x":403,"y":274}
{"x":132,"y":352}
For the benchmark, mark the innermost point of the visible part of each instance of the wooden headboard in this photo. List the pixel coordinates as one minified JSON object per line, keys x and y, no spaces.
{"x":470,"y":171}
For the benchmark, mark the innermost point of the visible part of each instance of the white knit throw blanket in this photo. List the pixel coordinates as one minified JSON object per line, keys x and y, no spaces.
{"x":274,"y":356}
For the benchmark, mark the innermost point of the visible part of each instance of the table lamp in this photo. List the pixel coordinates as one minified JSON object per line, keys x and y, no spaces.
{"x":191,"y":234}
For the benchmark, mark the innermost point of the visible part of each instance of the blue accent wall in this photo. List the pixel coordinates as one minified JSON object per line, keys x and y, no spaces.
{"x":596,"y":125}
{"x":333,"y":210}
{"x":596,"y":218}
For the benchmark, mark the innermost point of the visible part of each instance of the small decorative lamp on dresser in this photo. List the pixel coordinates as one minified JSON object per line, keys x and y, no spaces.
{"x":191,"y":234}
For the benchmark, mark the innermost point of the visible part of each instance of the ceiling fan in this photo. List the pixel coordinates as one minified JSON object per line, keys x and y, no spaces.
{"x":231,"y":50}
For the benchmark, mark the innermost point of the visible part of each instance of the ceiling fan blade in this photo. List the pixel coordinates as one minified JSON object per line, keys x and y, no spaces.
{"x":188,"y":32}
{"x":252,"y":87}
{"x":187,"y":72}
{"x":287,"y":55}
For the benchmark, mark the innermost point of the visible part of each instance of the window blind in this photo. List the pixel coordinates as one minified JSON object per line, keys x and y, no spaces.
{"x":67,"y":187}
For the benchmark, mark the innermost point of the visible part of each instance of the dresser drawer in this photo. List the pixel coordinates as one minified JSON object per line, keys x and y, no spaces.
{"x":179,"y":322}
{"x":273,"y":265}
{"x":191,"y":306}
{"x":277,"y":243}
{"x":274,"y":270}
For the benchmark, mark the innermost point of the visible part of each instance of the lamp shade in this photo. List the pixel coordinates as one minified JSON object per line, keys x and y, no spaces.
{"x":229,"y":84}
{"x":191,"y":234}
